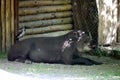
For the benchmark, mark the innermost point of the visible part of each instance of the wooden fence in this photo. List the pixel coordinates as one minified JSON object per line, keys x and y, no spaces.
{"x":47,"y":16}
{"x":7,"y":24}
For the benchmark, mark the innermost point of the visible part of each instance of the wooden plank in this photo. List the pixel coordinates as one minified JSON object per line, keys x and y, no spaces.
{"x":8,"y":27}
{"x":42,"y":23}
{"x":12,"y":21}
{"x":44,"y":9}
{"x":45,"y":16}
{"x":42,"y":3}
{"x":0,"y":30}
{"x":118,"y":35}
{"x":51,"y":34}
{"x":16,"y":16}
{"x":118,"y":30}
{"x":49,"y":29}
{"x":3,"y":8}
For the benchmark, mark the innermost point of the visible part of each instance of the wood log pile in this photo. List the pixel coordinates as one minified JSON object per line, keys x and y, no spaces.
{"x":44,"y":16}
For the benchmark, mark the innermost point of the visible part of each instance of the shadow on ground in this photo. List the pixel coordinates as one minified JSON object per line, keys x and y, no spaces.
{"x":110,"y":70}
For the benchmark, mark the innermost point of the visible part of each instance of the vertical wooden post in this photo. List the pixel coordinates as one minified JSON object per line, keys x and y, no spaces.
{"x":7,"y":21}
{"x":12,"y":22}
{"x":118,"y":31}
{"x":3,"y":20}
{"x":8,"y":24}
{"x":0,"y":30}
{"x":16,"y":2}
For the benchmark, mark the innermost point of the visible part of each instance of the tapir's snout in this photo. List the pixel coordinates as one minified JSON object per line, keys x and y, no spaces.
{"x":93,"y":45}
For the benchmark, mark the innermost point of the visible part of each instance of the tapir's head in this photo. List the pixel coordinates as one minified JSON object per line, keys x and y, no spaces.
{"x":83,"y":42}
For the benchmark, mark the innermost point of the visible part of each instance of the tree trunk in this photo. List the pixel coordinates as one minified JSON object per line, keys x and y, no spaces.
{"x":107,"y":21}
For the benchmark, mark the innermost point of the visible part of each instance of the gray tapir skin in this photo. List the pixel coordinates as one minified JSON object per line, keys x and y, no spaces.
{"x":63,"y":49}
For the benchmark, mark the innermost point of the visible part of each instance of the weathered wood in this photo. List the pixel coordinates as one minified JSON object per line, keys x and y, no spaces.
{"x":118,"y":35}
{"x":118,"y":31}
{"x":45,"y":22}
{"x":45,"y":16}
{"x":52,"y":34}
{"x":8,"y":28}
{"x":16,"y":16}
{"x":12,"y":22}
{"x":7,"y":21}
{"x":34,"y":3}
{"x":0,"y":30}
{"x":44,"y":9}
{"x":49,"y":29}
{"x":3,"y":8}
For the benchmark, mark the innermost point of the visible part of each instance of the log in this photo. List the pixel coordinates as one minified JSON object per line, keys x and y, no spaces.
{"x":12,"y":22}
{"x":45,"y":16}
{"x":0,"y":30}
{"x":107,"y":29}
{"x":3,"y":23}
{"x":42,"y":23}
{"x":51,"y":34}
{"x":49,"y":29}
{"x":35,"y":3}
{"x":118,"y":30}
{"x":8,"y":35}
{"x":118,"y":35}
{"x":44,"y":9}
{"x":16,"y":16}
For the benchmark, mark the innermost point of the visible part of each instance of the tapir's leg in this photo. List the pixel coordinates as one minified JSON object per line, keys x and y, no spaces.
{"x":20,"y":59}
{"x":85,"y":61}
{"x":23,"y":56}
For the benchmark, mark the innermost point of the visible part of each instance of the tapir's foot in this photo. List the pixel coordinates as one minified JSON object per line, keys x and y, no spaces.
{"x":28,"y":62}
{"x":20,"y":60}
{"x":85,"y":61}
{"x":97,"y":63}
{"x":92,"y":62}
{"x":24,"y":61}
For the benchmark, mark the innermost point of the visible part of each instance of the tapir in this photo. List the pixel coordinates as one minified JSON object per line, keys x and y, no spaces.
{"x":63,"y":49}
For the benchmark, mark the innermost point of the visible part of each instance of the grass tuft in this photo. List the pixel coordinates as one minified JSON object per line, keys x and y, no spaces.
{"x":3,"y":55}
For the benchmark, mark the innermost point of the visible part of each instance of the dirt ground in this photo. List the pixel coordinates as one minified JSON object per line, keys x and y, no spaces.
{"x":109,"y":70}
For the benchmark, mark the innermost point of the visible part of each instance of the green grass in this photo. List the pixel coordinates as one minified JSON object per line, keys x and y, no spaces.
{"x":100,"y":52}
{"x":3,"y":55}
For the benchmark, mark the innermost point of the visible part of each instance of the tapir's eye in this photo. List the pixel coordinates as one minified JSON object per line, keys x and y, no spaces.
{"x":75,"y":33}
